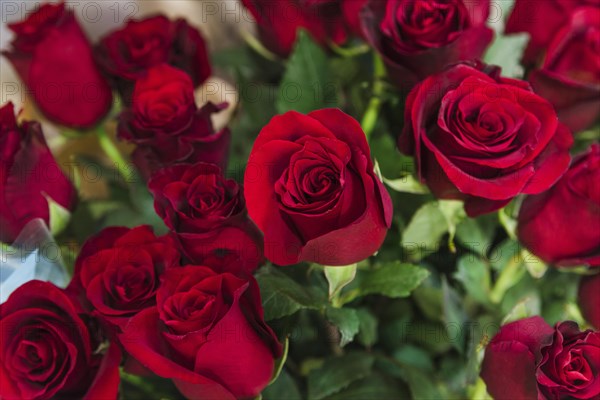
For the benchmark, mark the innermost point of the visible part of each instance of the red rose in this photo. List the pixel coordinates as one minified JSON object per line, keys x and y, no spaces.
{"x":207,"y":215}
{"x":528,"y":359}
{"x":279,"y":20}
{"x":311,"y":189}
{"x":29,"y":176}
{"x":126,"y":54}
{"x":570,"y":75}
{"x":418,"y":38}
{"x":165,"y":123}
{"x":589,"y":299}
{"x":509,"y":365}
{"x":48,"y":350}
{"x":53,"y":57}
{"x":207,"y":334}
{"x":541,"y":20}
{"x":545,"y":222}
{"x":118,"y":271}
{"x":570,"y":364}
{"x":482,"y":138}
{"x":350,"y":10}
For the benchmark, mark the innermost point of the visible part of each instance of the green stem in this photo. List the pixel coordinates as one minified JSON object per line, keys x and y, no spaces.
{"x":371,"y":116}
{"x":349,"y":52}
{"x":113,"y":153}
{"x":479,"y":390}
{"x":509,"y":276}
{"x":258,"y":47}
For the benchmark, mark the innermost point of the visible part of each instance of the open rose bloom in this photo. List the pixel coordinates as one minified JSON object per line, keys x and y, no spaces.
{"x":300,"y":199}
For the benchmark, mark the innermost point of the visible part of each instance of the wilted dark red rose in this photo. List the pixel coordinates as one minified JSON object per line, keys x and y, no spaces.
{"x":482,"y":138}
{"x":509,"y":364}
{"x":207,"y":215}
{"x":589,"y":299}
{"x":541,"y":20}
{"x":29,"y":176}
{"x":117,"y":272}
{"x":165,"y":123}
{"x":279,"y":20}
{"x":53,"y":57}
{"x":48,"y":350}
{"x":207,"y":334}
{"x":546,"y":221}
{"x":311,"y":189}
{"x":570,"y":364}
{"x":126,"y":55}
{"x":570,"y":75}
{"x":418,"y":38}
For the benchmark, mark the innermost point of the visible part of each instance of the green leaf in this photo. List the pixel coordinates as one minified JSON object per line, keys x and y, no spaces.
{"x":59,"y":216}
{"x":477,"y":234}
{"x":453,"y":211}
{"x":135,"y":387}
{"x":454,"y":317}
{"x":429,"y":224}
{"x":508,"y":260}
{"x":525,"y":308}
{"x":414,"y":356}
{"x":282,"y":296}
{"x":506,"y":52}
{"x":347,"y":322}
{"x":374,"y":386}
{"x":406,"y":184}
{"x":284,"y":388}
{"x":420,"y":383}
{"x":429,"y":299}
{"x":474,"y":274}
{"x":536,"y":266}
{"x":393,"y":279}
{"x":338,"y":373}
{"x":307,"y":84}
{"x":367,"y":334}
{"x":338,"y":277}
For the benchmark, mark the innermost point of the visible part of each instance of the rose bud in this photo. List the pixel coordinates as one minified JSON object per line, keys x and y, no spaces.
{"x":207,"y":334}
{"x":589,"y":299}
{"x":29,"y":176}
{"x":54,"y":59}
{"x":546,"y":221}
{"x":311,"y":188}
{"x":482,"y":138}
{"x":126,"y":55}
{"x":509,"y":365}
{"x":165,"y":124}
{"x":207,"y":215}
{"x":50,"y":350}
{"x":279,"y":20}
{"x":418,"y":38}
{"x":570,"y":364}
{"x":570,"y":75}
{"x":541,"y":20}
{"x":117,"y":272}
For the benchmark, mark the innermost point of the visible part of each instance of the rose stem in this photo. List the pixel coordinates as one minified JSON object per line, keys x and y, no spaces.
{"x":113,"y":153}
{"x":370,"y":116}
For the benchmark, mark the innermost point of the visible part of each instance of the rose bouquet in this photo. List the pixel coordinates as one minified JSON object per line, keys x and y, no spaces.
{"x":362,"y":199}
